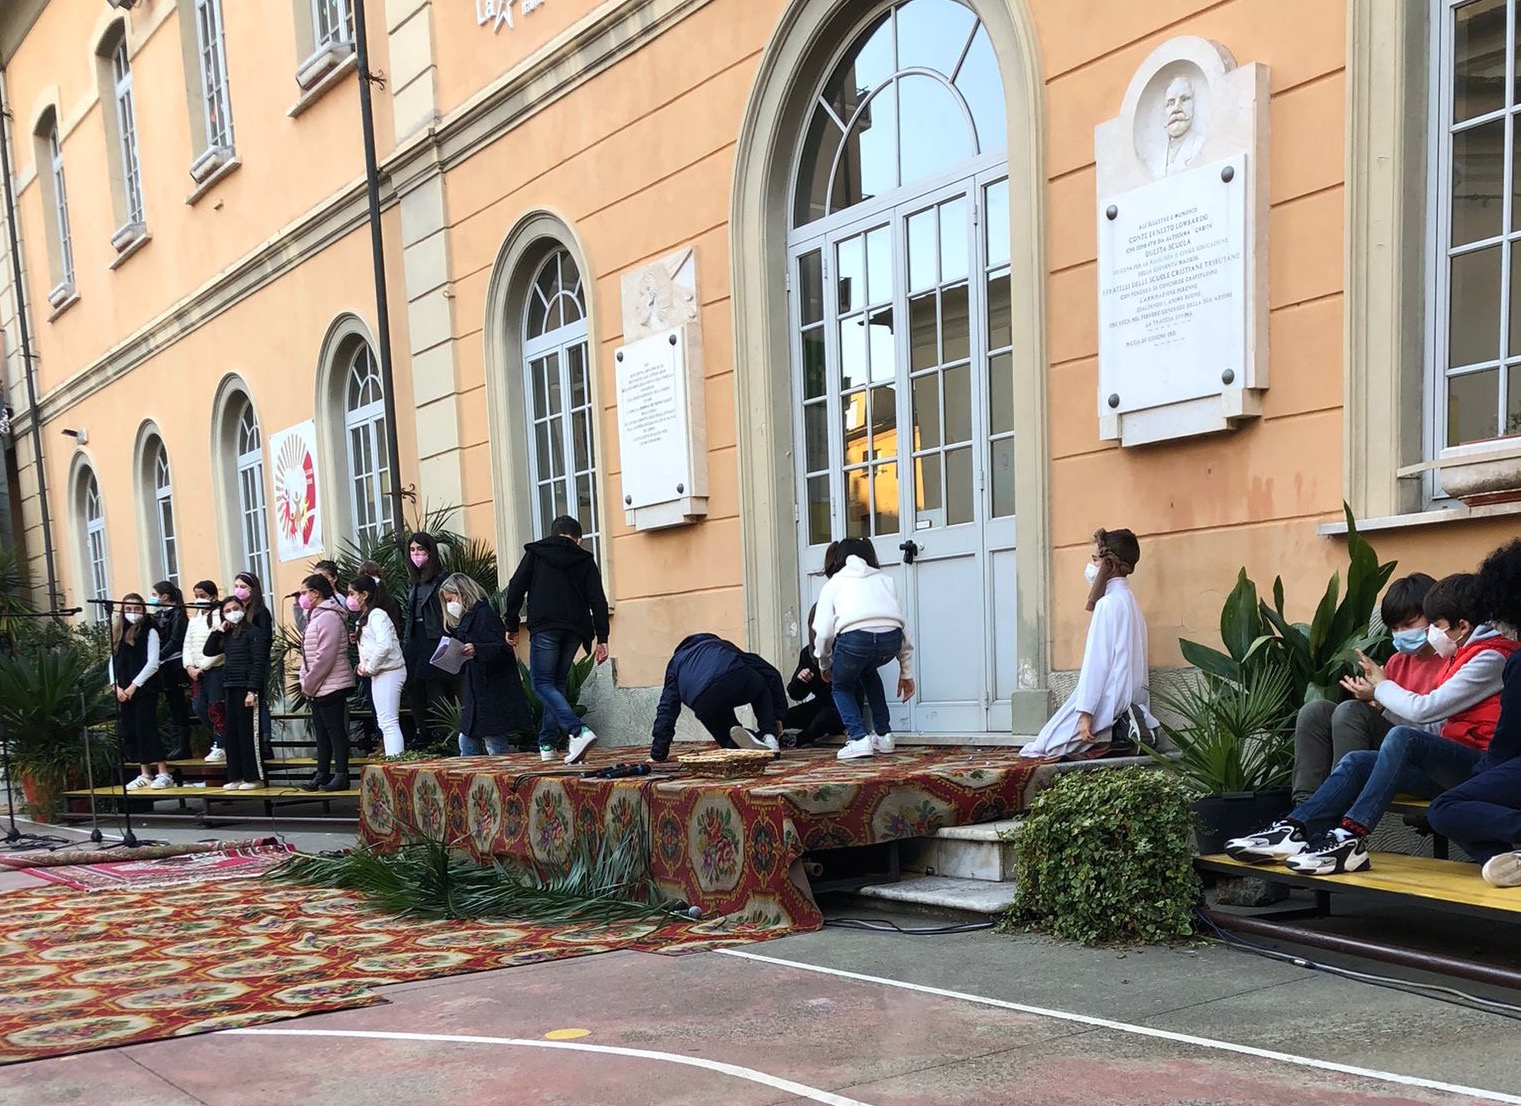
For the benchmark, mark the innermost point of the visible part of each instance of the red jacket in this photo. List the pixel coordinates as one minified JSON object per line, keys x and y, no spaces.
{"x":1476,"y":725}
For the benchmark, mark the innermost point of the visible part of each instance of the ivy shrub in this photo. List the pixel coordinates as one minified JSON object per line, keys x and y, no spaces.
{"x":1105,"y":856}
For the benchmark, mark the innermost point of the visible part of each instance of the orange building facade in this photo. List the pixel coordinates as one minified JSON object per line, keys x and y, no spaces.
{"x":877,"y":227}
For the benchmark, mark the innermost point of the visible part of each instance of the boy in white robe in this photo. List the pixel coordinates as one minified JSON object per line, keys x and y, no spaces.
{"x":1113,"y":682}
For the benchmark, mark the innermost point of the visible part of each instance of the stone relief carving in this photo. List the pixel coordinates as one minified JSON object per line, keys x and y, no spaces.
{"x":660,"y":295}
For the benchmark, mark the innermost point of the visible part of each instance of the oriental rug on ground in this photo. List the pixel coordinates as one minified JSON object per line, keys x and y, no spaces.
{"x":86,"y":971}
{"x":731,"y":847}
{"x":241,"y":862}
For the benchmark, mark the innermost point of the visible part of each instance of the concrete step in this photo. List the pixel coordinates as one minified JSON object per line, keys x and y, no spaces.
{"x":984,"y":852}
{"x":944,"y":895}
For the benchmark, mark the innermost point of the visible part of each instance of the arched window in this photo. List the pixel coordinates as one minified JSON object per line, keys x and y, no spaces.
{"x":250,"y":470}
{"x":364,"y":423}
{"x":93,"y":541}
{"x":55,"y":196}
{"x":163,"y":513}
{"x":557,"y":370}
{"x":114,"y":73}
{"x":918,"y":94}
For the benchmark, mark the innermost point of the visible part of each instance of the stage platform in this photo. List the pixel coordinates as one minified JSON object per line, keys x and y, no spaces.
{"x":731,"y":847}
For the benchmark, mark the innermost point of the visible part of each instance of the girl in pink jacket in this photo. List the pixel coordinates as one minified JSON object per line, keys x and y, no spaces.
{"x":327,"y":679}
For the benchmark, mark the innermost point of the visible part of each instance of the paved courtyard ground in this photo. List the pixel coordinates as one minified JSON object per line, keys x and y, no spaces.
{"x":844,"y":1017}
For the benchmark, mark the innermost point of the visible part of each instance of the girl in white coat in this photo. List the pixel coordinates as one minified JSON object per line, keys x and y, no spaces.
{"x":1113,"y":682}
{"x":380,"y":656}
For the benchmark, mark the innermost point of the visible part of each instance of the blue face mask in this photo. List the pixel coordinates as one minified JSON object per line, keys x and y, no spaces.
{"x":1410,"y":641}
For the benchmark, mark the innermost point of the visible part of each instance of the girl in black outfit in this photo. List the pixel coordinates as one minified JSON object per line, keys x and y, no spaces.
{"x":494,"y":708}
{"x":169,"y":616}
{"x":133,"y":673}
{"x":247,"y":589}
{"x":424,"y":618}
{"x":245,"y":643}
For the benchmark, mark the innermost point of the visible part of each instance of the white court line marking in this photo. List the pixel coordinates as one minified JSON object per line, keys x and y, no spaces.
{"x":800,"y":1090}
{"x":1141,"y":1030}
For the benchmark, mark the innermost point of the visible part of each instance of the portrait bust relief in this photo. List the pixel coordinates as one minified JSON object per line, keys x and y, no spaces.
{"x":1172,"y":118}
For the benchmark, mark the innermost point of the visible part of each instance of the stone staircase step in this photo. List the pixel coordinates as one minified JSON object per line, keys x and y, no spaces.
{"x":977,"y":852}
{"x":944,"y":895}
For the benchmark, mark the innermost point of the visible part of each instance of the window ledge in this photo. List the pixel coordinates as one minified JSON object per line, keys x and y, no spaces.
{"x":64,"y":302}
{"x":1436,"y":517}
{"x":128,"y":241}
{"x":208,"y":182}
{"x":322,"y":73}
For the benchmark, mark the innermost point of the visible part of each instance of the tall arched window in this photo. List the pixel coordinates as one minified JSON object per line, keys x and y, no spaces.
{"x":557,"y":370}
{"x":55,"y":196}
{"x":163,"y":513}
{"x":254,"y":527}
{"x":364,"y":423}
{"x":93,"y":541}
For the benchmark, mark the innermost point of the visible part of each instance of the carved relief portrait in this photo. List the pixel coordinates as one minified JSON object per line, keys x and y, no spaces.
{"x":1171,"y":120}
{"x":660,"y":295}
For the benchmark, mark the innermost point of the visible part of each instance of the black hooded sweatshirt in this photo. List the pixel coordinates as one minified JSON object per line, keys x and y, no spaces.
{"x":563,"y":587}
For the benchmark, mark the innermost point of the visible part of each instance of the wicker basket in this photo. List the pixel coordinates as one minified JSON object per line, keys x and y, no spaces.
{"x":727,"y":764}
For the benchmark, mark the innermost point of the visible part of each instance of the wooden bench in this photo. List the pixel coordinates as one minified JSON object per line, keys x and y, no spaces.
{"x":1413,"y":811}
{"x":1391,"y":877}
{"x":77,"y":801}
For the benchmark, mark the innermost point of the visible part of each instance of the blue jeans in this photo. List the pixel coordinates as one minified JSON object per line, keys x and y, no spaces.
{"x":1361,"y":787}
{"x":857,"y":656}
{"x":550,"y":656}
{"x":1482,"y":815}
{"x":481,"y":746}
{"x":208,"y":690}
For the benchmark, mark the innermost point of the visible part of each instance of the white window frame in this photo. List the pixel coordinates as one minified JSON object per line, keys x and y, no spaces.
{"x":364,"y":435}
{"x":1439,"y":249}
{"x":163,"y":514}
{"x":65,"y":285}
{"x":216,"y":100}
{"x":126,"y":122}
{"x":559,"y":342}
{"x":332,"y":23}
{"x":252,"y":524}
{"x":95,"y":543}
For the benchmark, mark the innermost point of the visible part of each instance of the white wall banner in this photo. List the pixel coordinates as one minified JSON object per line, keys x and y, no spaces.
{"x":298,"y":519}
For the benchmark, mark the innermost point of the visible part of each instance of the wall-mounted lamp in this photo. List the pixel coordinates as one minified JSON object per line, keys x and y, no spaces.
{"x":80,"y":436}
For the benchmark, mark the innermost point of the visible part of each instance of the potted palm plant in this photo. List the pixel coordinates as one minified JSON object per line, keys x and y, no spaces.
{"x":49,"y":698}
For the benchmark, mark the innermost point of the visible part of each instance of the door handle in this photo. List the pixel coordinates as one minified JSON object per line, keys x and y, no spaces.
{"x":910,"y":551}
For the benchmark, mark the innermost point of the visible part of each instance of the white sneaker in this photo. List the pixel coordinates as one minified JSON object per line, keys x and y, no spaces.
{"x":1503,"y":870}
{"x":746,"y":739}
{"x":216,"y":756}
{"x":852,"y":750}
{"x":249,"y":785}
{"x":161,"y":781}
{"x":579,"y":745}
{"x":772,"y":743}
{"x":548,"y":756}
{"x":230,"y":786}
{"x":140,"y":783}
{"x":883,"y":743}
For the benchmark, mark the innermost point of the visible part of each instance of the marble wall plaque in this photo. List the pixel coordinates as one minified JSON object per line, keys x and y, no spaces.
{"x":1182,"y":202}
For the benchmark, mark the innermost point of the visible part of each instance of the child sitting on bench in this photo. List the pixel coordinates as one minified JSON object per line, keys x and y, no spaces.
{"x":1483,"y":813}
{"x":1327,"y":833}
{"x":1113,"y":684}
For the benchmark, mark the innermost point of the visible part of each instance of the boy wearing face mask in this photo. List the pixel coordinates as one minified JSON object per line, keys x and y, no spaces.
{"x":1326,"y":731}
{"x":1327,"y":833}
{"x":1114,"y":682}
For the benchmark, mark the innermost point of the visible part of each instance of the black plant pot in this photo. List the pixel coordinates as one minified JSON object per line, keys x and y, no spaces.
{"x":1218,"y":818}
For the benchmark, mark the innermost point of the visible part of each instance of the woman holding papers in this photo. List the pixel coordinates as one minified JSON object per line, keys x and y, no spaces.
{"x":493,"y":707}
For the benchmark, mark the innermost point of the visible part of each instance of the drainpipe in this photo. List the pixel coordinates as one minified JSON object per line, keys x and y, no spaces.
{"x":54,"y":599}
{"x":378,"y":254}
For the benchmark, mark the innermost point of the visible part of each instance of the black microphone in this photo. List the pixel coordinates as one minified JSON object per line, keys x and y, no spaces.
{"x":621,"y":772}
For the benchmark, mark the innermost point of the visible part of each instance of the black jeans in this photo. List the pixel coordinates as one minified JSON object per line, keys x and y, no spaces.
{"x":814,"y":719}
{"x":243,"y":763}
{"x":179,"y":712}
{"x":426,"y":686}
{"x":330,"y":718}
{"x":738,"y":687}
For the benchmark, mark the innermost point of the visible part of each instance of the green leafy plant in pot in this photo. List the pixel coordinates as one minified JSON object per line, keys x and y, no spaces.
{"x":44,"y":717}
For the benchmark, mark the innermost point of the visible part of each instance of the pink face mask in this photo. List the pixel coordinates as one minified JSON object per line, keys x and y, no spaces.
{"x":242,"y":592}
{"x":419,"y":559}
{"x":305,"y":600}
{"x":354,"y":604}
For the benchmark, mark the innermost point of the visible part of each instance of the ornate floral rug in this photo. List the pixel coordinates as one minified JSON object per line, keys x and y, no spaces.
{"x":200,"y":867}
{"x":118,"y":967}
{"x":86,"y":852}
{"x":730,"y":847}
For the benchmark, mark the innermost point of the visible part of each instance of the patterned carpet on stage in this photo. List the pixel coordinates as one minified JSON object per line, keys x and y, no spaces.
{"x":731,"y":847}
{"x":117,"y":967}
{"x":215,"y":866}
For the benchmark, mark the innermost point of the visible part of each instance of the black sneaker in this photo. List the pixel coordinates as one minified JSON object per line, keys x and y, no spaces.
{"x":337,"y":783}
{"x":1279,"y":841}
{"x":1337,"y":852}
{"x":315,"y":783}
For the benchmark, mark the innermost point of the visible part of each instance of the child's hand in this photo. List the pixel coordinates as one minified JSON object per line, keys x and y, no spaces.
{"x":905,"y":688}
{"x":512,"y":638}
{"x":828,"y":675}
{"x":1085,"y":726}
{"x":601,"y":653}
{"x":121,"y":696}
{"x":1358,"y":687}
{"x":805,"y":676}
{"x":251,"y":700}
{"x":468,"y":652}
{"x":1371,"y":669}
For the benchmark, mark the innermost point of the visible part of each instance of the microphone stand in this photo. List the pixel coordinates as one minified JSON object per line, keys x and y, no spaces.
{"x":84,"y":731}
{"x":129,"y":839}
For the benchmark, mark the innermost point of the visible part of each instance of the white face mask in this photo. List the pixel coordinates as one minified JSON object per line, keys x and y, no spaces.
{"x":234,"y":617}
{"x":455,"y":608}
{"x":1090,"y":573}
{"x":1441,"y":644}
{"x":133,"y":618}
